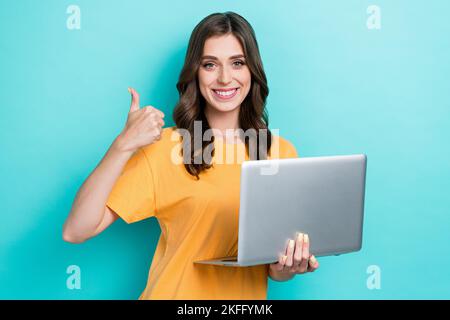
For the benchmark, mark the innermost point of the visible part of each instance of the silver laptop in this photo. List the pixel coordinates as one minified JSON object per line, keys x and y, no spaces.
{"x":320,"y":196}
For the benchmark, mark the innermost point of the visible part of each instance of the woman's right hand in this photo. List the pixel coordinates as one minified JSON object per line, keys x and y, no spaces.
{"x":143,"y":127}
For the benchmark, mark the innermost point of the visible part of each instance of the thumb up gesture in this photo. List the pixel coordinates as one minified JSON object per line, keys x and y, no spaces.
{"x":143,"y":126}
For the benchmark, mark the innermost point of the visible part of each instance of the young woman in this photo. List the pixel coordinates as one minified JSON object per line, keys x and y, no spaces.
{"x":222,"y":88}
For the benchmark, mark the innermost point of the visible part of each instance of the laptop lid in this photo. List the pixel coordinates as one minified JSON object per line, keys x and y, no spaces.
{"x":320,"y":196}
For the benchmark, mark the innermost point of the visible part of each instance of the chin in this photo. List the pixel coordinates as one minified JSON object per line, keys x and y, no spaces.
{"x":224,"y":107}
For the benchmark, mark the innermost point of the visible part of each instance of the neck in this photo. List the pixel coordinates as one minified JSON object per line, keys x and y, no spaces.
{"x":222,"y":121}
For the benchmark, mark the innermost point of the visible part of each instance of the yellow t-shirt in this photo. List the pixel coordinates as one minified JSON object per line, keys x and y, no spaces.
{"x":198,"y":219}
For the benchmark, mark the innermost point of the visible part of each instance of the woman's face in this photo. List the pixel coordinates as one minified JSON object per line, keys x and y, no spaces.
{"x":224,"y":77}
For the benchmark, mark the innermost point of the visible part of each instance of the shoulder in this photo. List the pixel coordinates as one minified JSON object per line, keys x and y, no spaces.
{"x":283,"y":147}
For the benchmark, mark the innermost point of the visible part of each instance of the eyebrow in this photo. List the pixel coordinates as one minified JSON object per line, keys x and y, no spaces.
{"x":232,"y":57}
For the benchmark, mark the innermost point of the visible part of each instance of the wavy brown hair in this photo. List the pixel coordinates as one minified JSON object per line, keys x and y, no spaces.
{"x":191,"y":103}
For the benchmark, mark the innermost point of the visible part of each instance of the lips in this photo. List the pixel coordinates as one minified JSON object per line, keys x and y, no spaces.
{"x":225,"y":94}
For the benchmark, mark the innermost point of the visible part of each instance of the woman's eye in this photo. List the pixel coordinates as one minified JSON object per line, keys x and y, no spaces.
{"x":238,"y":63}
{"x":208,"y":65}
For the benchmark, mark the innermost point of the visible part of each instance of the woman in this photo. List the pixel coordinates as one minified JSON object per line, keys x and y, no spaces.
{"x":222,"y":87}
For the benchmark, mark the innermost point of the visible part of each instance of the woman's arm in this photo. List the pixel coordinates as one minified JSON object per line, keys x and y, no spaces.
{"x":89,"y":214}
{"x":88,"y":209}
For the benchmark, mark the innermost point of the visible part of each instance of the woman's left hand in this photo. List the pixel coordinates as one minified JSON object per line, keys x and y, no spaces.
{"x":297,"y":259}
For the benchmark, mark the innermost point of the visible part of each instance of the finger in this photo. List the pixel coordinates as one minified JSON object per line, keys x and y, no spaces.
{"x":149,"y":110}
{"x":159,"y":124}
{"x":157,"y":138}
{"x":290,"y":253}
{"x":281,"y":262}
{"x":313,"y":264}
{"x":154,"y":110}
{"x":305,"y":253}
{"x":134,"y":100}
{"x":157,"y":132}
{"x":153,"y":115}
{"x":161,"y":114}
{"x":159,"y":121}
{"x":298,"y":250}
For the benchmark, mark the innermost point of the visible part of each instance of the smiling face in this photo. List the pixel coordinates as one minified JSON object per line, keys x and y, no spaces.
{"x":224,"y":77}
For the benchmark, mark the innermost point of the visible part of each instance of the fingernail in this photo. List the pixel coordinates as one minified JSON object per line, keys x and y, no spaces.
{"x":291,"y":243}
{"x":129,"y":90}
{"x":284,"y":259}
{"x":313,"y":260}
{"x":300,"y":237}
{"x":306,"y":238}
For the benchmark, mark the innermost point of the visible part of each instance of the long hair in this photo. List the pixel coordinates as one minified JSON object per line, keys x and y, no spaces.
{"x":191,"y":103}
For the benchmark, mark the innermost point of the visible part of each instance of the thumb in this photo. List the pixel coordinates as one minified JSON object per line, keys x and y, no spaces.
{"x":134,"y":100}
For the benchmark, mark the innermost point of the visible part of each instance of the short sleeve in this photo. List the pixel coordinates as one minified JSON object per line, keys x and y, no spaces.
{"x":289,"y":150}
{"x":133,"y":195}
{"x":282,"y":149}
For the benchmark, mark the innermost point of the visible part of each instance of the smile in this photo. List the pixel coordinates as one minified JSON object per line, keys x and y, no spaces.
{"x":226,"y":94}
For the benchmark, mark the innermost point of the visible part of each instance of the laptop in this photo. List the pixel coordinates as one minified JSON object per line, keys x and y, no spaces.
{"x":321,"y":196}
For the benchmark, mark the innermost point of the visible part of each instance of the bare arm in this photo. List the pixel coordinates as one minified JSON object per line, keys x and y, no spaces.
{"x":89,"y":214}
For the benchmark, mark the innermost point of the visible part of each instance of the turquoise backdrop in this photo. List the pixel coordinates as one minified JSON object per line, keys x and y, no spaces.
{"x":337,"y":86}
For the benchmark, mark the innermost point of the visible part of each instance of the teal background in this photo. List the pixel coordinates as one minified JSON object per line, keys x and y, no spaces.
{"x":336,"y":87}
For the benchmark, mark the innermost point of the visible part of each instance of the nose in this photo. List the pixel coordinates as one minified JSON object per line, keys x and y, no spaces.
{"x":225,"y":76}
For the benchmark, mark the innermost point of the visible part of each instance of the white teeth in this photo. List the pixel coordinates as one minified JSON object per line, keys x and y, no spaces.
{"x":225,"y":93}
